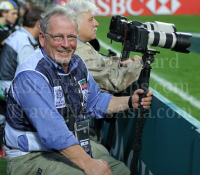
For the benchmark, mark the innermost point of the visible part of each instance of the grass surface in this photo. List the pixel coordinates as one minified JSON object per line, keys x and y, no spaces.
{"x":2,"y":166}
{"x":182,"y":70}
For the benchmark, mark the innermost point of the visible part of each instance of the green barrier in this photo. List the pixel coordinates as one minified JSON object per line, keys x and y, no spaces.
{"x":170,"y":140}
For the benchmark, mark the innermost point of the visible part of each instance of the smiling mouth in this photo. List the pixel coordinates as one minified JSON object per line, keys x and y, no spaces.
{"x":66,"y":51}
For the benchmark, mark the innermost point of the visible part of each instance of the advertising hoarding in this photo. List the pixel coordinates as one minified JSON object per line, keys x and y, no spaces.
{"x":147,"y":7}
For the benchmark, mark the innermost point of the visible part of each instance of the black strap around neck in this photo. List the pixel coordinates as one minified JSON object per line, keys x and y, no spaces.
{"x":83,"y":110}
{"x":34,"y":45}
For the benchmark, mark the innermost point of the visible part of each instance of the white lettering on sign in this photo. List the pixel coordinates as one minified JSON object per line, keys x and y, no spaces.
{"x":104,"y":6}
{"x":118,"y":8}
{"x":131,"y":11}
{"x":165,"y":7}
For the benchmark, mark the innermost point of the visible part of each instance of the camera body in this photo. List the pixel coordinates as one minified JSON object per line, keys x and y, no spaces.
{"x":138,"y":37}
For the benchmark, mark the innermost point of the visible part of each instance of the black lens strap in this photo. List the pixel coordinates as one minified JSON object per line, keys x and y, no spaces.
{"x":72,"y":117}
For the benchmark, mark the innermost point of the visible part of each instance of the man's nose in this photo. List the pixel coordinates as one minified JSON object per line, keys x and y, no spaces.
{"x":65,"y":42}
{"x":96,"y":23}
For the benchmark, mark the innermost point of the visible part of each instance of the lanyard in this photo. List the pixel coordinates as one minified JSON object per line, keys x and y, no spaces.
{"x":80,"y":129}
{"x":83,"y":110}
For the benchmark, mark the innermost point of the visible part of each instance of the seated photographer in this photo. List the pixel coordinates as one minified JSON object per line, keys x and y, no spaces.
{"x":51,"y":97}
{"x":106,"y":71}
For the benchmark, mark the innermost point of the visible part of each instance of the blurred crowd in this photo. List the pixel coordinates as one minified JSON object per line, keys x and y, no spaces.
{"x":11,"y":16}
{"x":20,"y":18}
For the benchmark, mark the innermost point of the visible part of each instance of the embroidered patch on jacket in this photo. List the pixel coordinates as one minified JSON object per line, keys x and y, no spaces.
{"x":83,"y":84}
{"x":59,"y":97}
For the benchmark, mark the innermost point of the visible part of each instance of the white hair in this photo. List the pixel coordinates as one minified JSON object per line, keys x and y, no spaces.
{"x":80,"y":6}
{"x":59,"y":11}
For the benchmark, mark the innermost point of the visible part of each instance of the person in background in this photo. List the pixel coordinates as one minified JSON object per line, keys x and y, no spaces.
{"x":50,"y":100}
{"x":105,"y":71}
{"x":19,"y":46}
{"x":8,"y":14}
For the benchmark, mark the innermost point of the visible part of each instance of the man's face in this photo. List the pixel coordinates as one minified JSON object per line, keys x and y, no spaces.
{"x":59,"y":51}
{"x":87,"y":27}
{"x":11,"y":16}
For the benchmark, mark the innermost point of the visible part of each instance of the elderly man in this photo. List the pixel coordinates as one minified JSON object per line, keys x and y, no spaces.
{"x":105,"y":71}
{"x":50,"y":99}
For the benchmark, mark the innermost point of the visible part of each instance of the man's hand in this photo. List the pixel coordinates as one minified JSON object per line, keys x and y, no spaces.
{"x":90,"y":166}
{"x":135,"y":58}
{"x":118,"y":104}
{"x":146,"y":102}
{"x":97,"y":167}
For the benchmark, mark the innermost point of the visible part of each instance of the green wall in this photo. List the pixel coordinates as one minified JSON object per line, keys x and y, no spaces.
{"x":170,"y":139}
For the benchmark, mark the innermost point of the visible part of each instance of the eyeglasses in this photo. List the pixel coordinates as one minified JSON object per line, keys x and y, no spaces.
{"x":60,"y":37}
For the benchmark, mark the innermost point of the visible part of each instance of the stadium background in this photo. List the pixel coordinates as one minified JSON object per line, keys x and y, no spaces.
{"x":174,"y":75}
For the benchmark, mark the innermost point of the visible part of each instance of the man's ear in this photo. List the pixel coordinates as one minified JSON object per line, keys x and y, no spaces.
{"x":37,"y":24}
{"x":41,"y":38}
{"x":4,"y":12}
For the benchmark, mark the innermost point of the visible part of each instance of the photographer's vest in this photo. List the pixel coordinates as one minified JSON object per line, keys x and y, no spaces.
{"x":17,"y":121}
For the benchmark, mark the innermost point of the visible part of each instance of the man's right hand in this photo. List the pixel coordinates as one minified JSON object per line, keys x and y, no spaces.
{"x":90,"y":166}
{"x":135,"y":58}
{"x":97,"y":167}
